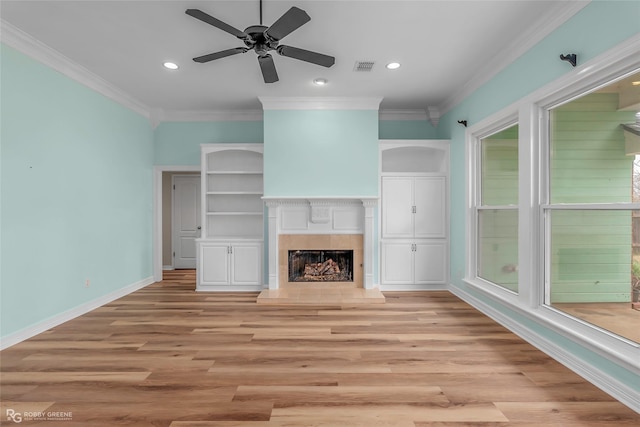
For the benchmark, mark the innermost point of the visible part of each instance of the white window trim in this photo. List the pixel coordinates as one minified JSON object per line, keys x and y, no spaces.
{"x":532,"y":118}
{"x":475,"y":134}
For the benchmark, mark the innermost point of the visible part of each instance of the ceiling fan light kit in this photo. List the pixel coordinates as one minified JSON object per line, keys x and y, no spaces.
{"x":263,"y":39}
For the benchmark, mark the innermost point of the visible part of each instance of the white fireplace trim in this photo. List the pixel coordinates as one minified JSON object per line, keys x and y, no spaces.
{"x":321,"y":215}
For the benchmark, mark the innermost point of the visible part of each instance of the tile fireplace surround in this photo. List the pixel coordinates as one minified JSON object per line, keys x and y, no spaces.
{"x":325,"y":223}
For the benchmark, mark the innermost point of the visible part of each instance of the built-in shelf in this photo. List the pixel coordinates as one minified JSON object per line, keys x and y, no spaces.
{"x":230,"y":249}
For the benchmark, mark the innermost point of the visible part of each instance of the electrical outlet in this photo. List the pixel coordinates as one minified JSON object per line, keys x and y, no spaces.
{"x":87,"y":283}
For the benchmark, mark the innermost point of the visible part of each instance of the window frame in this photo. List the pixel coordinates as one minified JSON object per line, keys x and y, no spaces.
{"x":474,"y":144}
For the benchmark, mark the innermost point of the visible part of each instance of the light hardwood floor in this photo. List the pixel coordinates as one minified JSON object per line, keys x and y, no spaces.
{"x":168,"y":356}
{"x":617,"y":317}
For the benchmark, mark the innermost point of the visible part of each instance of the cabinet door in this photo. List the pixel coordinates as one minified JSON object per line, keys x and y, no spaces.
{"x":430,"y":201}
{"x":430,"y":260}
{"x":215,"y":264}
{"x":397,"y":263}
{"x":246,"y":264}
{"x":397,"y":207}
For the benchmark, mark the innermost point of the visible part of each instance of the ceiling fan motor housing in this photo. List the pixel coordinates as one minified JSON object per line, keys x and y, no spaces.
{"x":258,"y":40}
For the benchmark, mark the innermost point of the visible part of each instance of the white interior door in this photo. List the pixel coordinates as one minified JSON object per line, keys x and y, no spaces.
{"x":185,"y":226}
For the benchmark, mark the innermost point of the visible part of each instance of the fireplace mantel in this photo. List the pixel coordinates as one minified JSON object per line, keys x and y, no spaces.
{"x":324,"y":215}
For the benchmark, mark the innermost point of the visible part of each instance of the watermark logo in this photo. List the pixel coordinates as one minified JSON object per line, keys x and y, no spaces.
{"x":14,"y":416}
{"x":17,"y":417}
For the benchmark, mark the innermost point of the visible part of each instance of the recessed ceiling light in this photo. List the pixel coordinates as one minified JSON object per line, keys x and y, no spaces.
{"x":393,"y":65}
{"x":170,"y":65}
{"x":320,"y":82}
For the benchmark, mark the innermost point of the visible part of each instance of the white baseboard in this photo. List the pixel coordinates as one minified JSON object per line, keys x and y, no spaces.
{"x":26,"y":333}
{"x":167,"y":267}
{"x":413,"y":287}
{"x":620,"y":391}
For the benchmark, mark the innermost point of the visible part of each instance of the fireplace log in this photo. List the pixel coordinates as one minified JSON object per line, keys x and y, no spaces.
{"x":326,"y":266}
{"x":329,"y":267}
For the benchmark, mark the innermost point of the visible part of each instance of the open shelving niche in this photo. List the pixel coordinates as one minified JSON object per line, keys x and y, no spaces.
{"x":233,"y":191}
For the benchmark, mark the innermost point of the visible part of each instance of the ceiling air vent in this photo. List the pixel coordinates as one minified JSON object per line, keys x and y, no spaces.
{"x":363,"y":66}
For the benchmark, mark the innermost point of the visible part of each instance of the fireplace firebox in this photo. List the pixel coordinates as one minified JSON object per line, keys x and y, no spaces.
{"x":320,"y":265}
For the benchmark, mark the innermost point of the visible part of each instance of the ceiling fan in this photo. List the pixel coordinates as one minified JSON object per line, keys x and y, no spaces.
{"x":262,"y":40}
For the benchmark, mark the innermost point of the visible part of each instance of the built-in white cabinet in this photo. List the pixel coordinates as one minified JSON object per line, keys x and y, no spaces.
{"x":414,"y":214}
{"x":230,"y":264}
{"x":414,"y":206}
{"x":230,"y":247}
{"x":415,"y":262}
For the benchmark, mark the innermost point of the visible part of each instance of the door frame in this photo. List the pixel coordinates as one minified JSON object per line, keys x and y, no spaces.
{"x":157,"y":212}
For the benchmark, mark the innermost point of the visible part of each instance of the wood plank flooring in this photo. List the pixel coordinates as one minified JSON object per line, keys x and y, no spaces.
{"x":168,"y":356}
{"x":319,"y":295}
{"x":618,"y":317}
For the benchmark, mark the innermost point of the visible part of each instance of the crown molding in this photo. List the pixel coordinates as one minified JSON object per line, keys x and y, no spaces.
{"x":320,"y":103}
{"x":431,"y":114}
{"x":403,"y":115}
{"x":30,"y":46}
{"x":159,"y":115}
{"x":555,"y":16}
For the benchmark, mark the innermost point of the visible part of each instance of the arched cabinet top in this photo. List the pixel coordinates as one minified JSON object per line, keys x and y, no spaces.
{"x":414,"y":156}
{"x":233,"y":157}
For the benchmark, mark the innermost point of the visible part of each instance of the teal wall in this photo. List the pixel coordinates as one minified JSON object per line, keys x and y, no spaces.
{"x":76,"y":177}
{"x":178,"y":143}
{"x":407,"y":129}
{"x":592,"y":31}
{"x":321,"y":153}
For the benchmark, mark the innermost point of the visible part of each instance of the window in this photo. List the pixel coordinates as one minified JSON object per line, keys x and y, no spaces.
{"x":569,"y":209}
{"x":589,"y":219}
{"x":496,"y":208}
{"x":572,"y":250}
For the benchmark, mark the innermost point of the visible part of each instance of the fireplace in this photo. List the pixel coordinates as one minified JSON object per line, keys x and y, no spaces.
{"x":327,"y":265}
{"x":320,"y":260}
{"x":336,"y":234}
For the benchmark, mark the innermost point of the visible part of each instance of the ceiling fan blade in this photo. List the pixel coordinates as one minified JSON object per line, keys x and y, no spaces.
{"x":268,"y":68}
{"x":204,"y":17}
{"x":306,"y":55}
{"x":293,"y":19}
{"x":221,"y":54}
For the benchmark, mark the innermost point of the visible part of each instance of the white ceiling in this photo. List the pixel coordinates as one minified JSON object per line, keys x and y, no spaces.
{"x":446,"y":48}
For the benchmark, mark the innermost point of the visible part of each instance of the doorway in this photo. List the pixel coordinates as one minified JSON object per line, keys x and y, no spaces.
{"x":162,"y":247}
